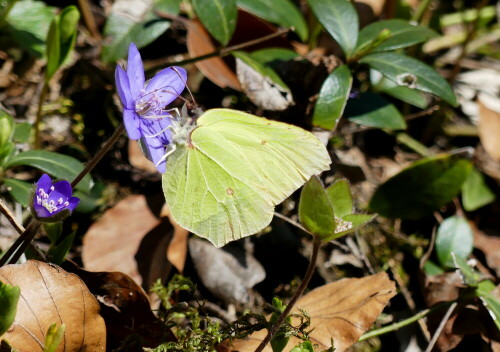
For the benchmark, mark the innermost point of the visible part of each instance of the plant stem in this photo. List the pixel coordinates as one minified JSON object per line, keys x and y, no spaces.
{"x":5,"y":12}
{"x":95,"y":160}
{"x":10,"y":217}
{"x":298,"y":293}
{"x":441,"y":326}
{"x":419,"y":12}
{"x":43,"y":94}
{"x":403,"y":323}
{"x":16,"y":250}
{"x":20,"y":245}
{"x":89,"y":19}
{"x":220,"y":52}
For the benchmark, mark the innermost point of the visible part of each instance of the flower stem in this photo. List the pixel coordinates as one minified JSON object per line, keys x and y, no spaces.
{"x":43,"y":94}
{"x":298,"y":293}
{"x":402,"y":323}
{"x":95,"y":160}
{"x":17,"y":249}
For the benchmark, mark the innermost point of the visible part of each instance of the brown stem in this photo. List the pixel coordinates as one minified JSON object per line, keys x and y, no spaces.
{"x":220,"y":52}
{"x":16,"y":250}
{"x":89,"y":19}
{"x":298,"y":293}
{"x":43,"y":94}
{"x":10,"y":217}
{"x":93,"y":162}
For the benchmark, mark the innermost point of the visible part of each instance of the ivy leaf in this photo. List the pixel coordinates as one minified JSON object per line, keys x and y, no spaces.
{"x":218,"y":17}
{"x":340,"y":19}
{"x":332,"y":98}
{"x":422,"y":188}
{"x":315,"y":209}
{"x":407,"y":71}
{"x":454,"y":235}
{"x":401,"y":34}
{"x":282,"y":12}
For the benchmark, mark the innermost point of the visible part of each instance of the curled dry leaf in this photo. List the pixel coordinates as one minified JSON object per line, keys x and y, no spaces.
{"x":51,"y":295}
{"x":489,"y":124}
{"x":111,"y":242}
{"x":342,"y":311}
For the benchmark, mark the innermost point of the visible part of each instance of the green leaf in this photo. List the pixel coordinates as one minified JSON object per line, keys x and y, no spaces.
{"x":280,"y":340}
{"x":348,"y":224}
{"x":269,"y":56}
{"x":490,"y":302}
{"x":9,"y":295}
{"x":340,"y":197}
{"x":53,"y":337}
{"x":19,"y":190}
{"x":332,"y":98}
{"x":422,"y":188}
{"x":282,"y":12}
{"x":402,"y":34}
{"x":475,"y":192}
{"x":454,"y":235}
{"x":408,"y":95}
{"x":218,"y":17}
{"x":340,"y":19}
{"x":55,"y":164}
{"x":370,"y":109}
{"x":431,"y":268}
{"x":29,"y":22}
{"x":58,"y":252}
{"x":407,"y":71}
{"x":22,"y":132}
{"x":6,"y":128}
{"x":142,"y":28}
{"x":315,"y":209}
{"x":470,"y":276}
{"x":53,"y":230}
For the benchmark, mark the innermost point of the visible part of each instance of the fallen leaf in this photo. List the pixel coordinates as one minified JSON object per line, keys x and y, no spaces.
{"x":51,"y":295}
{"x":137,"y":158}
{"x":215,"y":69}
{"x":341,"y":310}
{"x":489,"y":124}
{"x":111,"y":242}
{"x":490,"y":245}
{"x":228,"y":272}
{"x":125,"y":308}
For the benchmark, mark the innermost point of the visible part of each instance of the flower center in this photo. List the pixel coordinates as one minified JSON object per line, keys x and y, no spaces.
{"x":42,"y":198}
{"x":148,"y":104}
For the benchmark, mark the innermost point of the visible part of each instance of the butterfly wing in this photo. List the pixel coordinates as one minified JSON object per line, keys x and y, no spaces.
{"x":225,"y":185}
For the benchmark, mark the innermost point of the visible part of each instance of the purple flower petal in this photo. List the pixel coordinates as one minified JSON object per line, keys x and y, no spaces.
{"x":123,"y":87}
{"x":73,"y":202}
{"x":44,"y":183}
{"x":156,"y":131}
{"x":135,"y":71}
{"x":167,"y":84}
{"x":41,"y":211}
{"x":64,"y":188}
{"x":155,"y":153}
{"x":131,"y":122}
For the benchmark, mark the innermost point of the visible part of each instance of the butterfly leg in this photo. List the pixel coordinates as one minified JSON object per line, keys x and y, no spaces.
{"x":167,"y":154}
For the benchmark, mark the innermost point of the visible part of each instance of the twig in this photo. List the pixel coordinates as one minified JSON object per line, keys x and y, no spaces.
{"x":297,"y":294}
{"x":441,"y":327}
{"x":89,"y":19}
{"x":10,"y":217}
{"x":219,"y":52}
{"x":95,"y":160}
{"x":17,"y":249}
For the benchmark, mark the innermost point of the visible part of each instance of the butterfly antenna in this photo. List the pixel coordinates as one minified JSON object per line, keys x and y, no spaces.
{"x":185,"y":82}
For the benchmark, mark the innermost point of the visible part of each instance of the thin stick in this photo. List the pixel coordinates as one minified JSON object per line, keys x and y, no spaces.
{"x":219,"y":52}
{"x":28,"y":233}
{"x":93,"y":162}
{"x":441,"y":327}
{"x":298,"y":293}
{"x":10,"y":217}
{"x":89,"y":19}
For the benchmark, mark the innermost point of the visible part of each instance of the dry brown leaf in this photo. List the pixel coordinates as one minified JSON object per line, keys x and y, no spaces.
{"x":111,"y":242}
{"x":489,"y":129}
{"x":490,"y":245}
{"x":124,"y":307}
{"x":178,"y":246}
{"x":51,"y":295}
{"x":137,"y":158}
{"x":215,"y":69}
{"x":342,"y":311}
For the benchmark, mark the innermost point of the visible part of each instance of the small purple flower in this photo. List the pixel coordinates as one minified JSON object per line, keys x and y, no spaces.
{"x":53,"y":201}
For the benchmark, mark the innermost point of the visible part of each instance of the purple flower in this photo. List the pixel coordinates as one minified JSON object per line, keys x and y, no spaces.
{"x":53,"y":201}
